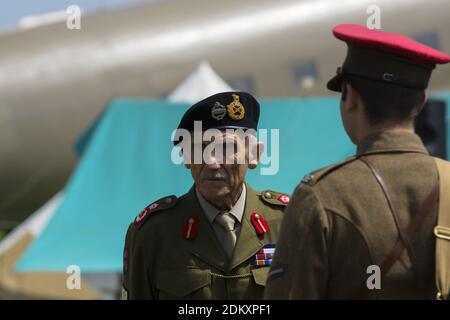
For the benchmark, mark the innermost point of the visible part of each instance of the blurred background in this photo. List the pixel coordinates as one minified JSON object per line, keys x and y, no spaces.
{"x":90,"y":91}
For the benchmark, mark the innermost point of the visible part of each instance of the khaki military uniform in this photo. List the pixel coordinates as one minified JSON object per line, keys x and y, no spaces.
{"x":338,"y":223}
{"x":167,"y":258}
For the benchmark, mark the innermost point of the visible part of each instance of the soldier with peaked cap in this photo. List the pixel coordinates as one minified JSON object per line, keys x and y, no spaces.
{"x":363,"y":228}
{"x":217,"y":240}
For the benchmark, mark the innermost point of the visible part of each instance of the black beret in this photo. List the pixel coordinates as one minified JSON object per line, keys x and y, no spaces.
{"x":235,"y":110}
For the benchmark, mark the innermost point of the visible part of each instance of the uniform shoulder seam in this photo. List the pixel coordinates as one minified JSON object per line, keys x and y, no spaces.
{"x":312,"y":178}
{"x":157,"y":206}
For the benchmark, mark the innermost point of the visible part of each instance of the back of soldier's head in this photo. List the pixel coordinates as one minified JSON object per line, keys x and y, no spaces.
{"x":387,"y":103}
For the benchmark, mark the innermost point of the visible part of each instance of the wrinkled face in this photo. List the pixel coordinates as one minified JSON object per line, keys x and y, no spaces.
{"x":220,"y":176}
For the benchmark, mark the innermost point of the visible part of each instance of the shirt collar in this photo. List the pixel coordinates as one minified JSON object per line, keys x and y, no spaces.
{"x":391,"y":141}
{"x":211,"y":212}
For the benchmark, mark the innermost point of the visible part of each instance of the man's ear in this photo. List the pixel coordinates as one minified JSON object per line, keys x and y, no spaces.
{"x":255,"y":154}
{"x":353,"y":98}
{"x":422,"y":104}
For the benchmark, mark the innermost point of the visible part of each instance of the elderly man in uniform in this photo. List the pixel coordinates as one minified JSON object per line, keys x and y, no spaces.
{"x":217,"y":240}
{"x":363,"y":228}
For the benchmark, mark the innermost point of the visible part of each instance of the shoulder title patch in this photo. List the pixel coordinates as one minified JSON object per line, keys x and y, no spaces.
{"x":159,"y":205}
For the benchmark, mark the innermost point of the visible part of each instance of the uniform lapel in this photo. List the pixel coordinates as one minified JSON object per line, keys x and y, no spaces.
{"x":205,"y":245}
{"x":248,"y":242}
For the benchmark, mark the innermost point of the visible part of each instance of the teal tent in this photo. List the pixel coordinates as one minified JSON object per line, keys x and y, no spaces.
{"x":126,"y":164}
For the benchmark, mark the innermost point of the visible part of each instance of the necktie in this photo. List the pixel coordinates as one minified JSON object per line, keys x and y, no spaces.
{"x":227,"y":222}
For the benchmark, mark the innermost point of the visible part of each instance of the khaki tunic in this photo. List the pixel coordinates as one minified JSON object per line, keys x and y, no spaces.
{"x":162,"y":264}
{"x":338,"y":223}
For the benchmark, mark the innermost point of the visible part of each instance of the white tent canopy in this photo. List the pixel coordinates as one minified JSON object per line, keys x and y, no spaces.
{"x":201,"y":83}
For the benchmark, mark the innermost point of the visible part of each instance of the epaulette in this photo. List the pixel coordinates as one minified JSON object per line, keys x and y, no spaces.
{"x":157,"y":206}
{"x":312,"y":178}
{"x":276,"y":198}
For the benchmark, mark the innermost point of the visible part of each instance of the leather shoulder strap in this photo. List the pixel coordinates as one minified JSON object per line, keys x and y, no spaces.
{"x":442,"y":232}
{"x":423,"y":211}
{"x":398,"y":223}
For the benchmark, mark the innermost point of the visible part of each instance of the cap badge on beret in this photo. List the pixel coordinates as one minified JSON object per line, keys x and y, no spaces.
{"x":235,"y":109}
{"x":218,"y":111}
